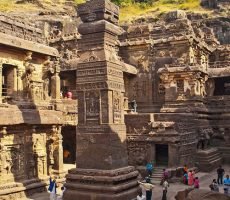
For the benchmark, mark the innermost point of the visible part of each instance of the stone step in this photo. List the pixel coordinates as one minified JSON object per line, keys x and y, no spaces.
{"x":208,"y":157}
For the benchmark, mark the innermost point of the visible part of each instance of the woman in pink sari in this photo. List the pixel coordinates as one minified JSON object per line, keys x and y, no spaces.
{"x":190,"y":178}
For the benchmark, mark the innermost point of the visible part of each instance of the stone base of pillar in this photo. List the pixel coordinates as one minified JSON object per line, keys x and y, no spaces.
{"x":91,"y":184}
{"x":59,"y":173}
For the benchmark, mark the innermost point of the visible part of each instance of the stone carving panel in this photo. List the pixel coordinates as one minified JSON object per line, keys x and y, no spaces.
{"x":92,"y":101}
{"x":6,"y":163}
{"x":39,"y":148}
{"x":117,"y":107}
{"x":137,"y":153}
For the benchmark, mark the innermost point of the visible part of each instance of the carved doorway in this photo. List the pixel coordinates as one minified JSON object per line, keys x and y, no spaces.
{"x":161,"y":154}
{"x":69,"y":144}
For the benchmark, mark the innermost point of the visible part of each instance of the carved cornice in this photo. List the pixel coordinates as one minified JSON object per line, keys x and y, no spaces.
{"x":16,"y":42}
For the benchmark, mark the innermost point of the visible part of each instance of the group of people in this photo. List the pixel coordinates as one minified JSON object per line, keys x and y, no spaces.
{"x":53,"y":190}
{"x":214,"y":186}
{"x":189,"y":178}
{"x":148,"y":186}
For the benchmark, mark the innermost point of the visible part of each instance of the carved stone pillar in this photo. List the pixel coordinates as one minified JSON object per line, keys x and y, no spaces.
{"x":56,"y":83}
{"x":19,"y":82}
{"x":15,"y":84}
{"x":56,"y":151}
{"x":102,"y":162}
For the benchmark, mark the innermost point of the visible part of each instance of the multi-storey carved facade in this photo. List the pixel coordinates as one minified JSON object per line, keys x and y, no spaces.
{"x":174,"y":69}
{"x":175,"y":85}
{"x":32,"y":113}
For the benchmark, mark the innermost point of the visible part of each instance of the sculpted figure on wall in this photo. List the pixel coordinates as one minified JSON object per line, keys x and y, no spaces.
{"x":210,"y":87}
{"x":5,"y":160}
{"x":204,"y":138}
{"x":92,"y":103}
{"x":51,"y":79}
{"x":202,"y":88}
{"x":51,"y":151}
{"x":40,"y":154}
{"x":191,"y":56}
{"x":46,"y":89}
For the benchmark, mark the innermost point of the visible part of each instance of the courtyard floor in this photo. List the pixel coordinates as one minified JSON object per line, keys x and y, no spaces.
{"x":205,"y":180}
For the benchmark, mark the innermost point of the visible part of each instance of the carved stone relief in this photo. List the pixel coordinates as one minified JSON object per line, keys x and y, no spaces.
{"x":137,"y":152}
{"x":39,"y":148}
{"x":117,"y":107}
{"x":92,"y":100}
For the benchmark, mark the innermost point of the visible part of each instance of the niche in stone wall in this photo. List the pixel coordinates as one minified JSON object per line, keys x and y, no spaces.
{"x":9,"y":80}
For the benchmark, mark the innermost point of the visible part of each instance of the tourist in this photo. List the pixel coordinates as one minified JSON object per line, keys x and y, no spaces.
{"x":185,"y":169}
{"x":66,"y":155}
{"x":148,"y":188}
{"x":190,"y":178}
{"x":62,"y":193}
{"x":69,"y":95}
{"x":53,"y":189}
{"x":220,"y":175}
{"x":140,"y":196}
{"x":149,"y":168}
{"x":196,"y":183}
{"x":227,"y":185}
{"x":214,"y":186}
{"x":164,"y":176}
{"x":185,"y":178}
{"x":165,"y":189}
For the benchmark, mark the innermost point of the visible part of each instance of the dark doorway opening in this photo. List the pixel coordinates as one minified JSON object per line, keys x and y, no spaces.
{"x":161,"y":154}
{"x":222,"y":86}
{"x":8,"y":80}
{"x":69,"y":144}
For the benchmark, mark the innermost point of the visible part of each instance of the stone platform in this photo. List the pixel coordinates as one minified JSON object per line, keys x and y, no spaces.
{"x":91,"y":184}
{"x":209,"y":159}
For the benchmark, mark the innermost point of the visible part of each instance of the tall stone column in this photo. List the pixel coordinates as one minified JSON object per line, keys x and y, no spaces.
{"x":19,"y":82}
{"x":57,"y":151}
{"x":56,"y":83}
{"x":102,"y":163}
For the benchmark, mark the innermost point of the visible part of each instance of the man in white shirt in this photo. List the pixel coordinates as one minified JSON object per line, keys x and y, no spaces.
{"x":165,"y":189}
{"x":148,"y":186}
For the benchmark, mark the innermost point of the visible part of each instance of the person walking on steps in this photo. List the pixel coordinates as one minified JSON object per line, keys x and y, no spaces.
{"x":149,"y":168}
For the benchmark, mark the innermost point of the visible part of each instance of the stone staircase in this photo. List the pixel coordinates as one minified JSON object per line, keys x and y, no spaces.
{"x":157,"y":175}
{"x":209,"y":159}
